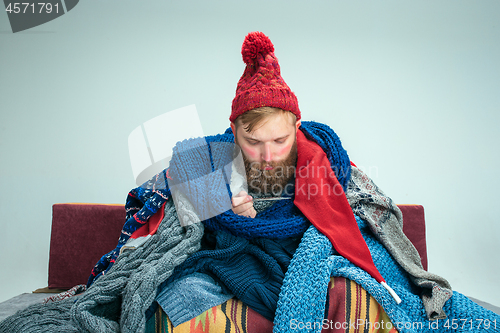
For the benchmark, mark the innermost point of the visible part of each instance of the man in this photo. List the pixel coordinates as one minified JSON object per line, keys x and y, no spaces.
{"x":266,"y":125}
{"x":308,"y":246}
{"x":248,"y":257}
{"x":267,"y":138}
{"x":264,"y":120}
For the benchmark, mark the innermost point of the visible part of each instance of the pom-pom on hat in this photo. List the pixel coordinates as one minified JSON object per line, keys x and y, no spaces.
{"x":261,"y":83}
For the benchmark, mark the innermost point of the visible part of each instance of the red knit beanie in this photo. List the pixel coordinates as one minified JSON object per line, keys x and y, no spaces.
{"x":261,"y":83}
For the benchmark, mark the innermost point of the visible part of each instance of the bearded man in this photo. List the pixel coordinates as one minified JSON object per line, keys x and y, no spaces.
{"x":294,"y":251}
{"x":312,"y":244}
{"x":267,"y":139}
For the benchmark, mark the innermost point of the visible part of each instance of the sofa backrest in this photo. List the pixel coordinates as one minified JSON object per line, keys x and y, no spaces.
{"x":83,"y":233}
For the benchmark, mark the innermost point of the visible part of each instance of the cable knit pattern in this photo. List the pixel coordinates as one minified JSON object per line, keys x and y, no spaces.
{"x":303,"y":293}
{"x":41,"y":318}
{"x":117,"y":301}
{"x":386,"y":222}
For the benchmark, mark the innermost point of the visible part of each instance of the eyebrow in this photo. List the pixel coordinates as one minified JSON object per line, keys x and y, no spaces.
{"x":277,"y":139}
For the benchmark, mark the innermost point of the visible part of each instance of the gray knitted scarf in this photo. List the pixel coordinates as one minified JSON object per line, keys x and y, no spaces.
{"x":386,"y":222}
{"x":117,"y":301}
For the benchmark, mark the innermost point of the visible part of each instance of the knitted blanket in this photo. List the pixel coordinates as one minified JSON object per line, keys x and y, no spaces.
{"x":118,"y":300}
{"x":386,"y":222}
{"x":127,"y":283}
{"x":303,"y":294}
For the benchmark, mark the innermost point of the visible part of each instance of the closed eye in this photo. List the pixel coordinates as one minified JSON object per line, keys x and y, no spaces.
{"x":281,"y":140}
{"x":253,"y":142}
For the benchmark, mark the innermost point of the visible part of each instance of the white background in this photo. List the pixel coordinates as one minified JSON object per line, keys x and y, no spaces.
{"x":411,"y":87}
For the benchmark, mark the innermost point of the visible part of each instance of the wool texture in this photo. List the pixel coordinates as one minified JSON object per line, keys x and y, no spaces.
{"x":303,"y":294}
{"x":189,"y":296}
{"x":386,"y":222}
{"x":118,"y":300}
{"x":41,"y":318}
{"x":252,"y":270}
{"x":261,"y":83}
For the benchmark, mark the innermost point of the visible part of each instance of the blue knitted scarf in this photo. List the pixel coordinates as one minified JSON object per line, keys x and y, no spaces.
{"x":199,"y":167}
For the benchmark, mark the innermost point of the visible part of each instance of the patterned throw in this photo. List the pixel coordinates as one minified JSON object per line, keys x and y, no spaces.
{"x":351,"y":310}
{"x":76,"y":290}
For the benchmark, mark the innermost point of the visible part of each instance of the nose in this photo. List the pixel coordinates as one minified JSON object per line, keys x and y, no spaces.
{"x":266,"y":153}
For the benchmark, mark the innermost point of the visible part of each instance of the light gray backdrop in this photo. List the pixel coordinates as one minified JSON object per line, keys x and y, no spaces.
{"x":411,"y":87}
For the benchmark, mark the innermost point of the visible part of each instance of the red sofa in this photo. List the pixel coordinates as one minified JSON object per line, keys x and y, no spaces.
{"x":82,"y":233}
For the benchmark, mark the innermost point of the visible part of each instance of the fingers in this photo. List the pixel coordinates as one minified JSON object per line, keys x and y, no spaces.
{"x":250,"y":212}
{"x":241,"y":198}
{"x":243,"y":205}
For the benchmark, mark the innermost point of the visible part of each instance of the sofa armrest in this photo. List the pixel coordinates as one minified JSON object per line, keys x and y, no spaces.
{"x":414,"y":229}
{"x":81,"y":235}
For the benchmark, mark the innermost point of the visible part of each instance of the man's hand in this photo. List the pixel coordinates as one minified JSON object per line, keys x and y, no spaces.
{"x":243,"y":205}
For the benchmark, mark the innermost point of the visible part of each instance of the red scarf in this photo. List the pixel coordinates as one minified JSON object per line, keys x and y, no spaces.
{"x":321,"y":198}
{"x":329,"y":211}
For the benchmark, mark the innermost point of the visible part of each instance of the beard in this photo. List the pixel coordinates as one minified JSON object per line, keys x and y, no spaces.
{"x":270,"y":182}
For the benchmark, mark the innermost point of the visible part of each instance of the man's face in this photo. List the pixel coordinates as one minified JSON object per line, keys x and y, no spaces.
{"x":269,"y":152}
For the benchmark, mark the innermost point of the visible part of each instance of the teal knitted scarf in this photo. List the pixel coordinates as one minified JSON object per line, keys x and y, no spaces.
{"x":303,"y":294}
